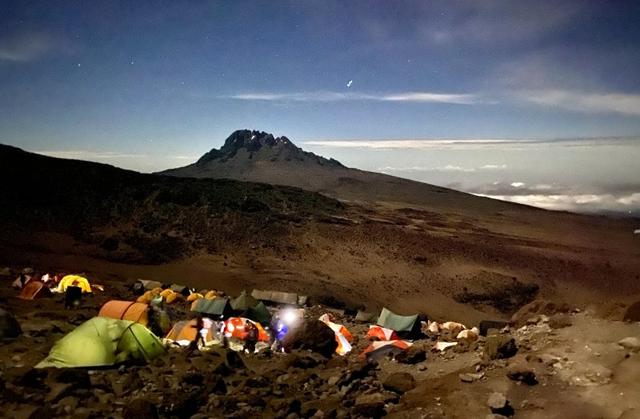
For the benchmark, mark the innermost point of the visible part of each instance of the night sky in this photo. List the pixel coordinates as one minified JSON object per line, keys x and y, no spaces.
{"x":151,"y":85}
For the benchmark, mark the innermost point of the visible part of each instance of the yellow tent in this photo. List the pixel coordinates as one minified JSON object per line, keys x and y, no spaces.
{"x":74,"y":280}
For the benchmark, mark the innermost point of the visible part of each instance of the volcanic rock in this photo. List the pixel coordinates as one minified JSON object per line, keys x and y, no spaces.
{"x":399,"y":382}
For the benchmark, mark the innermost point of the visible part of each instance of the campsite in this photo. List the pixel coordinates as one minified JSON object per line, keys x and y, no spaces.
{"x":99,"y":356}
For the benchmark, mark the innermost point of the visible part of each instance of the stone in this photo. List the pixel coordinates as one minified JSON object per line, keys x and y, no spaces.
{"x":369,"y":405}
{"x":140,"y":409}
{"x":560,"y":320}
{"x":9,"y":326}
{"x":399,"y":382}
{"x":630,"y":343}
{"x":233,"y":360}
{"x":500,"y":347}
{"x":411,"y":356}
{"x":631,"y":413}
{"x":520,"y":370}
{"x":632,"y":314}
{"x":499,"y":404}
{"x":486,"y":325}
{"x":470,"y":377}
{"x":313,"y":335}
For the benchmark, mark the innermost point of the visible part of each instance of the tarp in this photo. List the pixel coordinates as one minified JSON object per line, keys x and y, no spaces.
{"x":102,"y":341}
{"x":243,"y":302}
{"x":390,"y":320}
{"x":365,"y":317}
{"x":235,"y":327}
{"x":278,"y":297}
{"x":259,"y":313}
{"x":34,"y":289}
{"x":125,"y":310}
{"x":381,"y":333}
{"x":180,"y":289}
{"x":74,"y":280}
{"x":380,"y":349}
{"x":184,"y":332}
{"x":9,"y":326}
{"x":219,"y":307}
{"x":343,"y":336}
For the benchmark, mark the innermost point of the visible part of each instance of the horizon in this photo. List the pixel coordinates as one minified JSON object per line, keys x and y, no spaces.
{"x":148,"y":86}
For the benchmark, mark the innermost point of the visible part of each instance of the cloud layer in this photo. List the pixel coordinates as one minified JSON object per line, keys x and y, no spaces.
{"x":324,"y":96}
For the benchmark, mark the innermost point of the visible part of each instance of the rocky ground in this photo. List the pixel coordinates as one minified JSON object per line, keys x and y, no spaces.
{"x":554,"y":361}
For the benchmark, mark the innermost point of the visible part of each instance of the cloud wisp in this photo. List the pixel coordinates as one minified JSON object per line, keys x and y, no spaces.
{"x":447,"y":168}
{"x":29,"y":46}
{"x":468,"y":143}
{"x":622,"y":103}
{"x":327,"y":96}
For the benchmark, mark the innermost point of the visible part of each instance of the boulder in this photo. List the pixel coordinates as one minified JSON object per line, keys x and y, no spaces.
{"x":520,"y":370}
{"x":560,"y":320}
{"x":399,"y":382}
{"x":9,"y":326}
{"x":632,"y":314}
{"x":140,"y":409}
{"x":370,"y":405}
{"x":470,"y":377}
{"x":630,"y":343}
{"x":413,"y":355}
{"x":499,"y":404}
{"x":500,"y":347}
{"x":313,"y":335}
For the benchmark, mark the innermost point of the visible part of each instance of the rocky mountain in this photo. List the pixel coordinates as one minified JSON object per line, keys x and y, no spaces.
{"x":257,"y":156}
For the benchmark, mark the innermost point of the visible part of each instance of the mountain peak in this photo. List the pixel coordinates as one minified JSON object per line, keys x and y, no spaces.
{"x":263,"y":144}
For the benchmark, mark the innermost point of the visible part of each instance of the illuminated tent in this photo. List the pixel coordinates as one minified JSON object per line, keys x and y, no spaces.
{"x":76,"y":281}
{"x":102,"y":341}
{"x":381,"y":333}
{"x":34,"y":289}
{"x":235,"y":327}
{"x":125,"y":310}
{"x":380,"y":349}
{"x":184,"y":332}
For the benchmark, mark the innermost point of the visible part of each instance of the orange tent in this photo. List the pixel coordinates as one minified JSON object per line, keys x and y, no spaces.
{"x":381,"y":333}
{"x":125,"y":310}
{"x":34,"y":289}
{"x":343,"y":336}
{"x":186,"y":331}
{"x":235,"y":327}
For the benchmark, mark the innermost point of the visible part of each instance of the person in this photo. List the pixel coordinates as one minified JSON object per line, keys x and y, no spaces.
{"x":252,"y":337}
{"x":199,"y":338}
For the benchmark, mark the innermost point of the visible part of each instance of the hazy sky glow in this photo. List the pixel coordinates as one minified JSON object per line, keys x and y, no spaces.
{"x":150,"y":85}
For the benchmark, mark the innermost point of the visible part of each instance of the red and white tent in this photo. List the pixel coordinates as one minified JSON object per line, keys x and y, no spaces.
{"x":380,"y":349}
{"x":381,"y":333}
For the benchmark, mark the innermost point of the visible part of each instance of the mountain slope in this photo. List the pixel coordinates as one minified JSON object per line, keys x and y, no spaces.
{"x":256,"y":156}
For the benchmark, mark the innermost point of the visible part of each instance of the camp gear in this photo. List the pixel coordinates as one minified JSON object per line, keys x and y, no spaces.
{"x":142,"y":285}
{"x":343,"y":336}
{"x":276,"y":297}
{"x":9,"y":326}
{"x":34,"y":289}
{"x":380,"y":349}
{"x":236,"y":327}
{"x":185,"y":332}
{"x":102,"y":341}
{"x":217,"y":308}
{"x":243,"y":302}
{"x":125,"y":310}
{"x":180,"y":289}
{"x":74,"y":280}
{"x":72,"y":296}
{"x":381,"y":333}
{"x":21,"y":281}
{"x":403,"y":325}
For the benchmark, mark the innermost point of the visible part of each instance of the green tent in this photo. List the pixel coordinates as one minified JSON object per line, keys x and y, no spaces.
{"x":259,"y":313}
{"x":243,"y":302}
{"x":218,"y":307}
{"x":103,"y":341}
{"x":390,"y":320}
